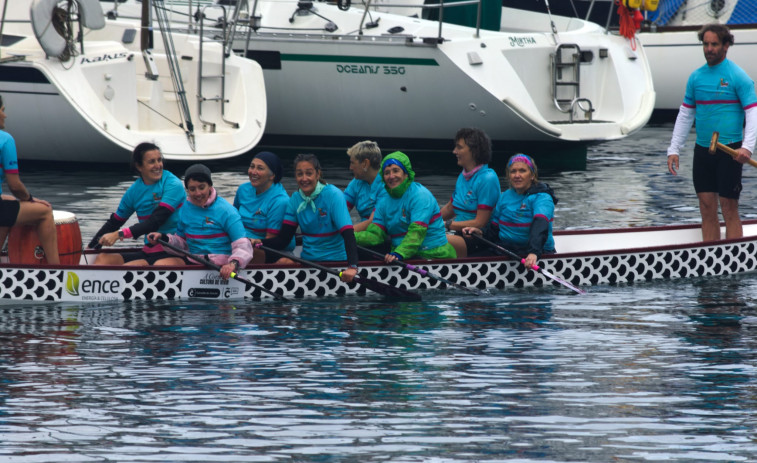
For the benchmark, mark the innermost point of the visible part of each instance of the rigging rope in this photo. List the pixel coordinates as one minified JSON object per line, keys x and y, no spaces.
{"x":629,"y":23}
{"x":63,"y":24}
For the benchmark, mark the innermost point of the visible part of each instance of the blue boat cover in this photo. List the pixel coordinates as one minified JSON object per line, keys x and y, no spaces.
{"x":665,"y":11}
{"x":744,"y":13}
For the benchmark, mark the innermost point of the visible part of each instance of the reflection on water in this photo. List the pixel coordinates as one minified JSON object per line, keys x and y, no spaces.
{"x":619,"y":376}
{"x":653,"y":372}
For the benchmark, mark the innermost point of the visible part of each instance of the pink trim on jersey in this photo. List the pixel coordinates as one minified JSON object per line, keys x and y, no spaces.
{"x":205,"y":237}
{"x":718,"y":102}
{"x":461,"y":209}
{"x":168,"y":206}
{"x":514,"y":225}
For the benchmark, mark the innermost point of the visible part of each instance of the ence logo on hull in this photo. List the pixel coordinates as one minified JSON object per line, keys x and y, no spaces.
{"x":91,"y":286}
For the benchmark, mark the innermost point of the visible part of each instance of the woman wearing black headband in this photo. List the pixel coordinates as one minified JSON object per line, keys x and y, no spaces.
{"x":262,"y":203}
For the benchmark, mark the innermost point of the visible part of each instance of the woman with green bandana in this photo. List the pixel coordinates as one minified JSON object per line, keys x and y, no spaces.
{"x":409,"y":216}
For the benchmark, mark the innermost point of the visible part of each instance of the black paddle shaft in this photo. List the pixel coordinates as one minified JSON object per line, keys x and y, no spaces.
{"x":535,"y":268}
{"x":375,"y":286}
{"x":213,"y":265}
{"x":423,"y":272}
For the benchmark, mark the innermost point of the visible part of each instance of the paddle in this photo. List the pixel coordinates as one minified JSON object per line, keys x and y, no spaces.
{"x":215,"y":266}
{"x":375,"y":286}
{"x":523,"y":261}
{"x":716,"y":145}
{"x":425,"y":273}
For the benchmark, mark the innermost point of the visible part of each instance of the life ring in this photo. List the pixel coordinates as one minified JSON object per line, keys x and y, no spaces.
{"x":90,"y":12}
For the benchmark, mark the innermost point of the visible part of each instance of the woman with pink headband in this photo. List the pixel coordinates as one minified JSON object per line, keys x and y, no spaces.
{"x":522,"y":219}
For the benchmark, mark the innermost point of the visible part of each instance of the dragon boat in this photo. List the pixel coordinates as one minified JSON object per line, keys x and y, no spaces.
{"x":586,"y":258}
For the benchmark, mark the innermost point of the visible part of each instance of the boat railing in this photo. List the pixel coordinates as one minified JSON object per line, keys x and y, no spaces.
{"x":253,"y":21}
{"x":242,"y":16}
{"x":431,"y":6}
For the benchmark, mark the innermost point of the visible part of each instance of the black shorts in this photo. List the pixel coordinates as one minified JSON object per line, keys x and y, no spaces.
{"x":9,"y":212}
{"x":150,"y":257}
{"x":717,"y":173}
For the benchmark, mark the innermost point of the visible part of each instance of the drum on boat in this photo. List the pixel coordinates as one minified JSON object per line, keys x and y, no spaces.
{"x":24,"y":246}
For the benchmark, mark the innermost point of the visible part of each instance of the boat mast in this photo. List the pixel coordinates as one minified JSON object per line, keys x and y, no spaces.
{"x":146,"y":34}
{"x":2,"y":23}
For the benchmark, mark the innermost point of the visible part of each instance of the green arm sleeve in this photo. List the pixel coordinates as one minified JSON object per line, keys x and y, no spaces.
{"x":372,"y":236}
{"x":412,"y":241}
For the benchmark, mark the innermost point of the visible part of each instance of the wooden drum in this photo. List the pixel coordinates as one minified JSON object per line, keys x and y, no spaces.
{"x":24,"y":246}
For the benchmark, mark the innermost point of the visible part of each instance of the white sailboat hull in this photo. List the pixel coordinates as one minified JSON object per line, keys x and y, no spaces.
{"x":674,"y":54}
{"x":99,"y":104}
{"x":355,"y":82}
{"x":379,"y":86}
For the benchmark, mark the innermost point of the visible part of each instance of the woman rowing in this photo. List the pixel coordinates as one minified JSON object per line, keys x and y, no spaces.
{"x":522,"y":219}
{"x":208,"y":225}
{"x":477,"y":188}
{"x":409,"y":215}
{"x":262,"y":202}
{"x":320,"y":211}
{"x":22,"y":208}
{"x":155,"y":197}
{"x":363,"y":191}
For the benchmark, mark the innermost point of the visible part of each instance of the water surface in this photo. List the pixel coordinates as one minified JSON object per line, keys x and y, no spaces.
{"x":659,"y":371}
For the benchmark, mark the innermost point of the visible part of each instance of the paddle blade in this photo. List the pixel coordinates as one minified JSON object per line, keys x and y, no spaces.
{"x":390,"y":292}
{"x":561,"y":281}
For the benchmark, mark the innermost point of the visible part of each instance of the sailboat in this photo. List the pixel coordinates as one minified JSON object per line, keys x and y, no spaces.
{"x":674,"y":50}
{"x":669,"y":35}
{"x":79,"y":87}
{"x":340,"y":72}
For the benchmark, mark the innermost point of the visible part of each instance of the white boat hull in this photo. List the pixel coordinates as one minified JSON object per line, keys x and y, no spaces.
{"x":382,"y":87}
{"x":99,"y":104}
{"x":407,"y":88}
{"x":674,"y":55}
{"x":586,"y":258}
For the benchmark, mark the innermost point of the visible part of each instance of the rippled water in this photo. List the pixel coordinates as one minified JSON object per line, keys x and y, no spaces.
{"x":651,"y":372}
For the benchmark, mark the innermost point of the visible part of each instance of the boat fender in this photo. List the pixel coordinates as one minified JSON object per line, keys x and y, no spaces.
{"x":650,"y":5}
{"x":52,"y":42}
